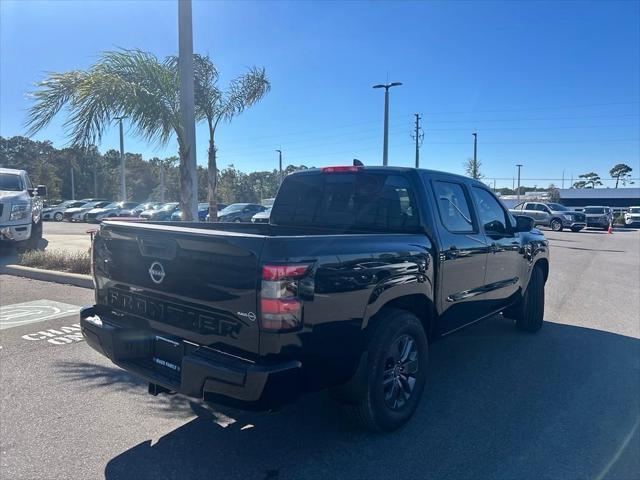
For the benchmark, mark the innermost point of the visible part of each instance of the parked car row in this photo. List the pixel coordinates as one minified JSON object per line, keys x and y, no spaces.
{"x":557,"y":216}
{"x":94,"y":210}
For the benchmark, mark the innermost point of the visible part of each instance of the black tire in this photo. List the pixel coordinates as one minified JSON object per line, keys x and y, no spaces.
{"x":529,"y":311}
{"x":34,"y":240}
{"x":58,"y":217}
{"x":393,"y":386}
{"x":556,"y":225}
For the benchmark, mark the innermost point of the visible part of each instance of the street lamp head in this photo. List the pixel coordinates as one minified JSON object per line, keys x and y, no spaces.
{"x":379,"y":86}
{"x":395,"y":84}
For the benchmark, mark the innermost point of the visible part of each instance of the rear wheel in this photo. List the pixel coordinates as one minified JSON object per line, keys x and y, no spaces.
{"x":529,"y":311}
{"x":396,"y":371}
{"x":556,"y":225}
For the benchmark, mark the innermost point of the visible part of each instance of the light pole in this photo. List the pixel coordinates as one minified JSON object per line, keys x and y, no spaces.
{"x":475,"y":149}
{"x":518,"y":192}
{"x":123,"y":180}
{"x":385,"y":148}
{"x":279,"y":166}
{"x":187,"y":107}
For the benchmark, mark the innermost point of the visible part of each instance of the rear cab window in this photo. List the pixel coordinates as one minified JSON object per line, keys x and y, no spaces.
{"x":360,"y":200}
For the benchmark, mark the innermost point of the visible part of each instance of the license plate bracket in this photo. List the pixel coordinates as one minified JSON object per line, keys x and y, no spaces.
{"x":167,"y":355}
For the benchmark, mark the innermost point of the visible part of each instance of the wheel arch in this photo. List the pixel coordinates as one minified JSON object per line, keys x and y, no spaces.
{"x":418,"y":304}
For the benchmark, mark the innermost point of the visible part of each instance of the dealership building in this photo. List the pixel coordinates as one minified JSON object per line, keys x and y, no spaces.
{"x":610,"y":197}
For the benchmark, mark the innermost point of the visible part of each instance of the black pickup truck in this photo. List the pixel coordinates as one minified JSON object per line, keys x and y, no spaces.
{"x":359,"y":269}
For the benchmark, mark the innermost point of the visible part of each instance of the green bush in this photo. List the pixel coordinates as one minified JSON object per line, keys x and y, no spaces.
{"x":60,"y":260}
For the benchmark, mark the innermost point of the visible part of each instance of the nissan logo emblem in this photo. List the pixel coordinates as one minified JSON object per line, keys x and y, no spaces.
{"x":156,"y":272}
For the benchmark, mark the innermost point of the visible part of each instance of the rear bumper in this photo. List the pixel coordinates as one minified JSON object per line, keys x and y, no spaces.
{"x":203,"y":372}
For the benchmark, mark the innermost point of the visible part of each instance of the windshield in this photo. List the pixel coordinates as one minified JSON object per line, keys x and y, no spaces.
{"x":10,"y":182}
{"x":169,"y":206}
{"x":634,"y":210}
{"x":113,"y":205}
{"x":557,"y":207}
{"x":594,"y":210}
{"x":236,"y":207}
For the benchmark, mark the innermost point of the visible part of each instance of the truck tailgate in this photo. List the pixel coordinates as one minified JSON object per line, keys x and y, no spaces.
{"x":195,"y":284}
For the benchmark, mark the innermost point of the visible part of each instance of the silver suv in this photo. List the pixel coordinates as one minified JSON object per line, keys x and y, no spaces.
{"x":552,"y":215}
{"x":599,"y":216}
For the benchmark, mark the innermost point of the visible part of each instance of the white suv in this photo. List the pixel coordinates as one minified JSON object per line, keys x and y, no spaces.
{"x":632,"y":217}
{"x":20,"y":209}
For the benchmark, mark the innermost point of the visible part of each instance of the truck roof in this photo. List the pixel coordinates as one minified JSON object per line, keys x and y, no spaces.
{"x":380,"y":168}
{"x":12,"y":171}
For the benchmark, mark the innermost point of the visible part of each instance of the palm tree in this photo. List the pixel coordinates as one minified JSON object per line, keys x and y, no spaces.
{"x":129,"y":83}
{"x":213,"y":106}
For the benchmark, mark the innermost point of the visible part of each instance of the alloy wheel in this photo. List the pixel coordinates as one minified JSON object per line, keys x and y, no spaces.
{"x":400,"y":371}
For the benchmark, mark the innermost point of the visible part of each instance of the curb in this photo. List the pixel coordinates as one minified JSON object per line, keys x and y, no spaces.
{"x":75,"y":279}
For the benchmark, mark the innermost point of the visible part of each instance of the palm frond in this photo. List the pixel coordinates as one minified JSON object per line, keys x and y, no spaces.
{"x":244,"y":91}
{"x":52,"y":94}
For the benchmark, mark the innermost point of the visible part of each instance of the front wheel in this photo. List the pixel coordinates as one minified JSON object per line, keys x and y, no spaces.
{"x":58,"y":217}
{"x":396,"y":372}
{"x":556,"y":225}
{"x":529,"y":311}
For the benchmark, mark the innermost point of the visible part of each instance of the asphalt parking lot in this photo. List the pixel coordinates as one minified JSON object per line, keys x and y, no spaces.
{"x":564,"y":403}
{"x":67,"y":236}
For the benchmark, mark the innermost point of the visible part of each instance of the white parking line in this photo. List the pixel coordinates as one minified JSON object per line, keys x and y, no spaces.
{"x":34,"y":312}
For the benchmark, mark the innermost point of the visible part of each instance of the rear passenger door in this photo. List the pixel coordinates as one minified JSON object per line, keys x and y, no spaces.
{"x":462,"y":257}
{"x":543,"y":214}
{"x":504,"y":261}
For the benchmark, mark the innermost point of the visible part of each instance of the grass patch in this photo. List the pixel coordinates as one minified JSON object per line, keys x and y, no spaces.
{"x":60,"y":260}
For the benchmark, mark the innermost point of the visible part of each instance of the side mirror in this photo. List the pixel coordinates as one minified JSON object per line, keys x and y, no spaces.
{"x":524,"y":223}
{"x":41,"y":191}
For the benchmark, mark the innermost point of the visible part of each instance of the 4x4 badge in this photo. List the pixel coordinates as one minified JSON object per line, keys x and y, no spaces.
{"x":156,"y":272}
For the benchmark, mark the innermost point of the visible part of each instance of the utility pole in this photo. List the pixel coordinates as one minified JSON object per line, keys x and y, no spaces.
{"x":123,"y":181}
{"x":385,"y":147}
{"x":518,"y":193}
{"x":187,"y":103}
{"x":562,"y":178}
{"x":73,"y":186}
{"x":475,"y":150}
{"x":161,"y":181}
{"x":279,"y":166}
{"x":95,"y":176}
{"x":418,"y":136}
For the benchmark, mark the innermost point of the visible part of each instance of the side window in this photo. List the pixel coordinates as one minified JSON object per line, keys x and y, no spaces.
{"x":540,"y":207}
{"x":453,"y":207}
{"x":492,"y":216}
{"x":28,"y":181}
{"x":529,"y":206}
{"x":519,"y":206}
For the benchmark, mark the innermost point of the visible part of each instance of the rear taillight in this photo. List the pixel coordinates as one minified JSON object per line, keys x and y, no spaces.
{"x":280,"y":302}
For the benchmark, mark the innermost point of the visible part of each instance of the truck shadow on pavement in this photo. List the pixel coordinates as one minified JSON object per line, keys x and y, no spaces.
{"x":564,"y":403}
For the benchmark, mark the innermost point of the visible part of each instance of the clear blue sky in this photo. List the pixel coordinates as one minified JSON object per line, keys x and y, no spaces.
{"x":554,"y":85}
